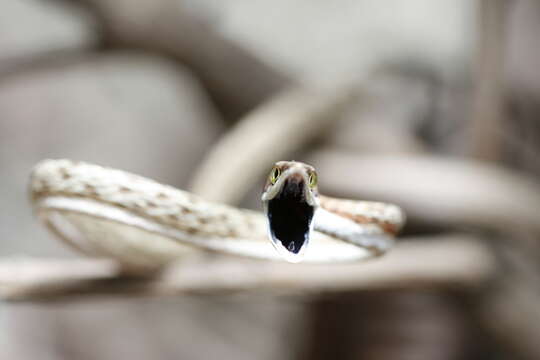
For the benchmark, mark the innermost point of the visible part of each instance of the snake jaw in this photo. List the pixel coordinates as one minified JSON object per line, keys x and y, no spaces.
{"x":290,"y":204}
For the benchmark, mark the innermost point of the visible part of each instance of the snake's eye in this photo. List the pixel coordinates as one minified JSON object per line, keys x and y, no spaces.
{"x":274,"y":174}
{"x":312,"y":179}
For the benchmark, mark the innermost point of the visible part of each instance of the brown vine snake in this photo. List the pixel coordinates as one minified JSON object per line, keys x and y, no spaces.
{"x":143,"y":224}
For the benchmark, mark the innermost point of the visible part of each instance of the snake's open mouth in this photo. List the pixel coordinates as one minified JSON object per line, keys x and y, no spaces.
{"x":290,"y":215}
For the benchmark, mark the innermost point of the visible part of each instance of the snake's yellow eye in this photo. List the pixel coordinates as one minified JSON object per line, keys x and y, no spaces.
{"x":312,"y":179}
{"x":274,"y":174}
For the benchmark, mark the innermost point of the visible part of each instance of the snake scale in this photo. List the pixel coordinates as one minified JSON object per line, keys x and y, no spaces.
{"x":111,"y":213}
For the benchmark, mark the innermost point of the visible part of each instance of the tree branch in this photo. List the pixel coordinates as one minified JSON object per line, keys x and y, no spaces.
{"x":457,"y":260}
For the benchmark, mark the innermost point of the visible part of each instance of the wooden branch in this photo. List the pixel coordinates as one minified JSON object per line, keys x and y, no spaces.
{"x":436,"y":189}
{"x":271,"y":132}
{"x":457,"y":260}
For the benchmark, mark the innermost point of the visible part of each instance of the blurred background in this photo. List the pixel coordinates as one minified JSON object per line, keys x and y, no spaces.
{"x":432,"y":105}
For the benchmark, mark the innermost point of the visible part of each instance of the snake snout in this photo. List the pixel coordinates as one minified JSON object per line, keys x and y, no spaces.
{"x":293,"y":187}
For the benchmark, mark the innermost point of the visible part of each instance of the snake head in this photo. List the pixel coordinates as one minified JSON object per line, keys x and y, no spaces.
{"x":290,"y":198}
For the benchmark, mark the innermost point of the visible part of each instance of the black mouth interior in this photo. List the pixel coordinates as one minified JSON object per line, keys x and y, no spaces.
{"x":290,"y":216}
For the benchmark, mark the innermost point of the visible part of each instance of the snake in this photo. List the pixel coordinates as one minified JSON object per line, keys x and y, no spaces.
{"x":105,"y":212}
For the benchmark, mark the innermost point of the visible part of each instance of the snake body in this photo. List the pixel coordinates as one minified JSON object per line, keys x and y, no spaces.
{"x":82,"y":202}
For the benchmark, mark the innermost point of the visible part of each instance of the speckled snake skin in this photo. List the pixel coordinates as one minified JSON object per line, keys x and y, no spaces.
{"x":106,"y":195}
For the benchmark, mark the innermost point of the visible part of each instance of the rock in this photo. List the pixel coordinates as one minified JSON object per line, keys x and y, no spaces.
{"x":138,"y":113}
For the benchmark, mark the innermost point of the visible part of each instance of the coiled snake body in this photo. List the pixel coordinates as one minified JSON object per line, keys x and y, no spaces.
{"x":112,"y":213}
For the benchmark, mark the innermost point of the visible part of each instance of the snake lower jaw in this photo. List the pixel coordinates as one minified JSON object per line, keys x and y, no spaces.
{"x":287,"y":255}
